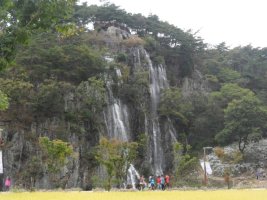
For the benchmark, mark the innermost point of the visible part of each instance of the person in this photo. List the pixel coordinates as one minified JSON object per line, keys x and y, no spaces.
{"x":152,"y":182}
{"x":7,"y":183}
{"x":257,"y":174}
{"x":162,"y":182}
{"x":167,"y":181}
{"x":142,"y":183}
{"x":158,"y":182}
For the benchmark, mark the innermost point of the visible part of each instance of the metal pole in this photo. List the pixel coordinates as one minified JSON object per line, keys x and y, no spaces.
{"x":205,"y":170}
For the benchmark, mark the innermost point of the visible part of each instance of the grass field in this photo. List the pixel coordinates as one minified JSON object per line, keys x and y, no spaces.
{"x":260,"y":194}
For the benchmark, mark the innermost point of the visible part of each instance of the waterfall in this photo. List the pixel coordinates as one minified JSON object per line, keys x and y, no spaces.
{"x":137,"y":60}
{"x":116,"y":115}
{"x":158,"y":81}
{"x":171,"y":130}
{"x":116,"y":119}
{"x":117,"y":122}
{"x":132,"y":175}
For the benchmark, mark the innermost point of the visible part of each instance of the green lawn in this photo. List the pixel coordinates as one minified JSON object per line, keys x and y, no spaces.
{"x":260,"y":194}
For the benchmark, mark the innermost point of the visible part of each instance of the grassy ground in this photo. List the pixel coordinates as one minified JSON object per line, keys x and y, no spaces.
{"x":250,"y":194}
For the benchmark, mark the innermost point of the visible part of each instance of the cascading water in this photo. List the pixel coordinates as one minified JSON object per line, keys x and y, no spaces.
{"x":116,"y":115}
{"x":158,"y":81}
{"x":132,"y":176}
{"x":117,"y":123}
{"x":117,"y":119}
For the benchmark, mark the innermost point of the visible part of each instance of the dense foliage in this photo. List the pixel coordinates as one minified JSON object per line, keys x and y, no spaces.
{"x":20,"y":19}
{"x":56,"y":152}
{"x":58,"y":86}
{"x":116,"y":156}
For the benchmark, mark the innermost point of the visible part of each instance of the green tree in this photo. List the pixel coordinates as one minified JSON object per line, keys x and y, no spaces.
{"x":3,"y":101}
{"x":183,"y":163}
{"x":20,"y":19}
{"x":91,"y":96}
{"x":136,"y":87}
{"x":179,"y":109}
{"x":56,"y":152}
{"x":204,"y":119}
{"x":116,"y":156}
{"x":72,"y":59}
{"x":228,"y":75}
{"x":245,"y":119}
{"x":19,"y":94}
{"x":49,"y":100}
{"x":229,"y":92}
{"x":172,"y":104}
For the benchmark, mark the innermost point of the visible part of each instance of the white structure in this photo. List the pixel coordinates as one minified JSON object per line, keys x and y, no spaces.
{"x":208,"y":168}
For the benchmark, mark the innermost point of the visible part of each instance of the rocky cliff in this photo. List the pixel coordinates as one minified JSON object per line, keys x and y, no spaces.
{"x":125,"y":116}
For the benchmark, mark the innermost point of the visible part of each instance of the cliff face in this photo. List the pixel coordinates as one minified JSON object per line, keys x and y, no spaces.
{"x":130,"y":109}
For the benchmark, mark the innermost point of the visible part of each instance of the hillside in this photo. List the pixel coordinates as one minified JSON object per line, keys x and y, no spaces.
{"x":137,"y":81}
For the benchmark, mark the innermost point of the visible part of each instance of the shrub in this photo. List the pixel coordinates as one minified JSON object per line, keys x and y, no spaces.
{"x":233,"y":157}
{"x":121,"y":57}
{"x":151,"y":44}
{"x":211,"y":78}
{"x":237,"y":157}
{"x":219,"y":152}
{"x":184,"y":165}
{"x":133,"y":41}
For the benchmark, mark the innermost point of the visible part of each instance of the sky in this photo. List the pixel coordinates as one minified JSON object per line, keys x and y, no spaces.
{"x":236,"y":22}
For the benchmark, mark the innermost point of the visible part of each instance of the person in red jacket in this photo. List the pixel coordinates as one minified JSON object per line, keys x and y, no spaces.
{"x":167,"y":181}
{"x":158,"y":182}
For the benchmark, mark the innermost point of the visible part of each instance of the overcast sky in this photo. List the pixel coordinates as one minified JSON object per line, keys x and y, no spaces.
{"x":236,"y":22}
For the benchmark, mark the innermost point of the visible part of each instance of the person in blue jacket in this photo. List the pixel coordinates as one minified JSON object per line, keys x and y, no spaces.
{"x":162,"y":182}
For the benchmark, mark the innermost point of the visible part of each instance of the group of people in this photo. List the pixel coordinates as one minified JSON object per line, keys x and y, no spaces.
{"x":160,"y":182}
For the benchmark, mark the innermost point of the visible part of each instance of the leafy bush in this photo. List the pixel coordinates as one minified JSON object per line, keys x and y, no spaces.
{"x":121,"y":57}
{"x":115,"y":156}
{"x":133,"y":41}
{"x":211,"y":78}
{"x":184,"y":164}
{"x":233,"y":157}
{"x":229,"y":75}
{"x":237,"y":157}
{"x":3,"y":101}
{"x":151,"y":44}
{"x":56,"y":152}
{"x":219,"y":152}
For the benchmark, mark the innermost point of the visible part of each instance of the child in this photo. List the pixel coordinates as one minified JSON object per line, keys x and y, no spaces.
{"x":7,"y":183}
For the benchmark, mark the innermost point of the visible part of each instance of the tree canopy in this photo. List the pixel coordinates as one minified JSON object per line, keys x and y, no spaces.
{"x":244,"y":121}
{"x":20,"y":19}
